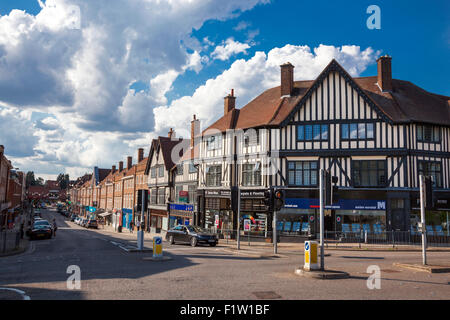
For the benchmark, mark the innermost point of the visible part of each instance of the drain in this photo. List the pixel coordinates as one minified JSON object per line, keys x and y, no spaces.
{"x":266,"y":295}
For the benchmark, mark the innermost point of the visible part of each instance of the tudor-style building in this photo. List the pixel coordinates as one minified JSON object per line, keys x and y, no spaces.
{"x":160,"y":180}
{"x":376,"y":134}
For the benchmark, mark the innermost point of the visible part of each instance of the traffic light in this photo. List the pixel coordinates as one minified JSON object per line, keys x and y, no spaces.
{"x":331,"y":194}
{"x":268,"y":199}
{"x":142,"y":193}
{"x":279,"y":198}
{"x":429,"y":203}
{"x":234,"y":198}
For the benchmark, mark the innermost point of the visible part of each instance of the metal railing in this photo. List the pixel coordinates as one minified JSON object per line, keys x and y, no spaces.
{"x":337,"y":238}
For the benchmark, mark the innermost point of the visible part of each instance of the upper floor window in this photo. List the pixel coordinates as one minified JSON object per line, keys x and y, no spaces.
{"x":161,"y":195}
{"x":428,"y":133}
{"x":161,"y":171}
{"x":357,"y":131}
{"x":214,"y":176}
{"x":153,"y":195}
{"x":313,"y":132}
{"x":214,"y":142}
{"x":251,"y":138}
{"x":192,"y":189}
{"x":192,"y":168}
{"x":433,"y":169}
{"x":302,"y":173}
{"x":153,"y":172}
{"x":369,"y":173}
{"x":251,"y":174}
{"x":179,"y":169}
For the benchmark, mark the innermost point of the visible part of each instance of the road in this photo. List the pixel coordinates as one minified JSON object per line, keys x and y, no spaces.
{"x":201,"y":273}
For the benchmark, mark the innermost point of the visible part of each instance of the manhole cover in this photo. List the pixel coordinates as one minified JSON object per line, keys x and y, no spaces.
{"x":266,"y":295}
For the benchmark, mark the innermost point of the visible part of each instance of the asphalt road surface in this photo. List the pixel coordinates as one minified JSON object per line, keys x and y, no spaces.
{"x":201,"y":273}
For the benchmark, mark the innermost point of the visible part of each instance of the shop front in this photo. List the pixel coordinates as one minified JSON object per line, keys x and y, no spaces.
{"x":181,"y":214}
{"x":127,"y":217}
{"x":354,"y":211}
{"x":253,"y":215}
{"x":436,"y":219}
{"x":158,"y":220}
{"x":218,"y":214}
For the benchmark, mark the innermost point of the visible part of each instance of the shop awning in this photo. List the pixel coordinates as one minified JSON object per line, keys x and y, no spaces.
{"x":104,"y":214}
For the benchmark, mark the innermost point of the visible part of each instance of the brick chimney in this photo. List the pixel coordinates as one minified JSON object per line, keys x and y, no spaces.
{"x":287,"y":79}
{"x":385,"y":73}
{"x":171,"y":133}
{"x":113,"y":169}
{"x":140,"y":154}
{"x":195,"y":130}
{"x":230,"y":102}
{"x":129,"y":162}
{"x":2,"y":149}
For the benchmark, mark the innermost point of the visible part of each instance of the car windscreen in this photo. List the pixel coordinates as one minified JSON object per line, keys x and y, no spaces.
{"x":196,"y":229}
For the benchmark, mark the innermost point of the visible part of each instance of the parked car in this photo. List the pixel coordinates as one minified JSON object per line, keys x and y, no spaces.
{"x":191,"y":234}
{"x":83,"y":223}
{"x":73,"y":217}
{"x":40,"y":229}
{"x":78,"y":220}
{"x":91,"y":223}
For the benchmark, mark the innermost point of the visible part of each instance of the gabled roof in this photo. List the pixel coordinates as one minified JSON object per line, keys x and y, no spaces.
{"x":166,"y":145}
{"x":406,"y":103}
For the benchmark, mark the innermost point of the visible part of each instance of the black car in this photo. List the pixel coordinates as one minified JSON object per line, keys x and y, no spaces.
{"x":191,"y":234}
{"x":40,"y":229}
{"x":73,"y":217}
{"x":92,"y":223}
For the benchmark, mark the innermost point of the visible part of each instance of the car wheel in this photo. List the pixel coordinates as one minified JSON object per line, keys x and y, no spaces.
{"x":171,"y":240}
{"x":213,"y":244}
{"x":194,"y":241}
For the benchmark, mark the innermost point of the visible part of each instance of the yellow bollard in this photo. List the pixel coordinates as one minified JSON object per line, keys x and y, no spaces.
{"x":311,"y":257}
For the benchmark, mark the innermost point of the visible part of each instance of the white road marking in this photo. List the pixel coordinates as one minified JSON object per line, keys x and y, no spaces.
{"x":22,"y":293}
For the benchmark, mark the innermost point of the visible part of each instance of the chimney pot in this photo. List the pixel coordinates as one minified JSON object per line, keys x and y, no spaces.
{"x":195,"y":130}
{"x":171,"y":133}
{"x":140,"y":154}
{"x":384,"y":73}
{"x":113,"y":169}
{"x":287,"y":79}
{"x":230,"y":102}
{"x":129,"y":162}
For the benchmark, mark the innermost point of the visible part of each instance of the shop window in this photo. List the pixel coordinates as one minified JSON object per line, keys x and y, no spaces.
{"x":213,"y":176}
{"x":428,"y":133}
{"x":369,"y":173}
{"x":177,"y":193}
{"x":357,"y":131}
{"x":315,"y":132}
{"x":433,"y":169}
{"x":251,"y":174}
{"x":397,"y":203}
{"x":302,"y":173}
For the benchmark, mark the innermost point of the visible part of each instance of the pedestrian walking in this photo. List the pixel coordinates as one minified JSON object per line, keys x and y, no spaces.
{"x":131,"y":226}
{"x":138,"y":225}
{"x":55,"y":227}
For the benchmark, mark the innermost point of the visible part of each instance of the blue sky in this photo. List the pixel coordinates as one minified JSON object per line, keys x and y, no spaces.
{"x":95,"y":101}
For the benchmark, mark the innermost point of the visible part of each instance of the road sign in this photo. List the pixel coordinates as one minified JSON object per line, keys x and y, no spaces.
{"x":311,"y":257}
{"x":157,"y":247}
{"x":311,"y":218}
{"x":338,"y":219}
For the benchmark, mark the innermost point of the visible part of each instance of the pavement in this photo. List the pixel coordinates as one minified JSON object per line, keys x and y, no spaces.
{"x":106,"y":271}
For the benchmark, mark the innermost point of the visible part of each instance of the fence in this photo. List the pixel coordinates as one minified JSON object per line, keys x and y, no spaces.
{"x":338,"y":238}
{"x":9,"y":241}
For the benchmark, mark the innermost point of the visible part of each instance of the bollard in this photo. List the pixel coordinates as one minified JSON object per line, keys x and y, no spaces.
{"x":157,"y":247}
{"x":311,"y":257}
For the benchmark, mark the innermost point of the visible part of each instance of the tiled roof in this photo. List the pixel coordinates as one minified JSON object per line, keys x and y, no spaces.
{"x":406,"y":103}
{"x":166,"y":144}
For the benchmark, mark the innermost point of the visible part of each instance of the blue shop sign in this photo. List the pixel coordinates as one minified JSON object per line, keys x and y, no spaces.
{"x":127,"y":211}
{"x":182,"y":207}
{"x":343,"y":204}
{"x":92,"y":209}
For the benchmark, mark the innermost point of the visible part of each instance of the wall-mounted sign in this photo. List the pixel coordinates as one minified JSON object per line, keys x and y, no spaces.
{"x":218,"y":193}
{"x":343,"y":204}
{"x":247,"y":223}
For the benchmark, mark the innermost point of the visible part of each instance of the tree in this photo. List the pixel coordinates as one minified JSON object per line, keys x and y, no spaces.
{"x":63,"y":180}
{"x":29,"y":180}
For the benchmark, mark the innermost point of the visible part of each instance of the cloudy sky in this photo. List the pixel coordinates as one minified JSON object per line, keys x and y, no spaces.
{"x":86,"y":83}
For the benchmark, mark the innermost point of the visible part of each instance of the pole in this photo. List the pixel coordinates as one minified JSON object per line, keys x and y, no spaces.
{"x":140,"y":233}
{"x":448,"y":227}
{"x":238,"y":235}
{"x":322,"y":255}
{"x":422,"y":215}
{"x":275,"y":240}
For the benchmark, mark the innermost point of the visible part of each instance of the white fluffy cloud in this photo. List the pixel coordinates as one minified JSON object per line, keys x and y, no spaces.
{"x":228,"y":49}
